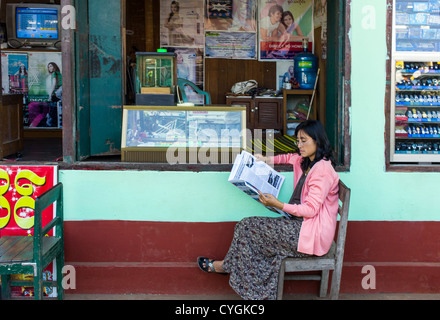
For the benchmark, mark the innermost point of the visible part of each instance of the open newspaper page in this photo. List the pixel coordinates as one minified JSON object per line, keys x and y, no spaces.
{"x":250,"y":176}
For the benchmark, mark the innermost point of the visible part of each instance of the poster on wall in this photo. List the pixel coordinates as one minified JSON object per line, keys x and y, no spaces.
{"x":181,"y":23}
{"x":231,"y":15}
{"x":232,"y":45}
{"x":190,"y":67}
{"x":45,"y":90}
{"x":219,"y":8}
{"x":282,"y":25}
{"x":189,"y":64}
{"x":15,"y":76}
{"x":17,"y":219}
{"x":285,"y":73}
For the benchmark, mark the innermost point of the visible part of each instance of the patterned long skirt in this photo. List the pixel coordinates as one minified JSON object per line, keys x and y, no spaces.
{"x":256,"y":252}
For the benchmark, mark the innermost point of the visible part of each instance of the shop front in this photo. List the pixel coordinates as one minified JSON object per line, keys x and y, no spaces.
{"x":138,"y":226}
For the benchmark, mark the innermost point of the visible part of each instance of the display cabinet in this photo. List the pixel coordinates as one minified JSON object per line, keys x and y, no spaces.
{"x":261,"y":112}
{"x":416,"y":111}
{"x":156,"y":78}
{"x":415,"y":79}
{"x":172,"y":134}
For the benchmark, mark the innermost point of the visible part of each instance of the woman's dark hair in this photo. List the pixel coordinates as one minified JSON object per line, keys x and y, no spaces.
{"x":171,"y":13}
{"x":54,"y":65}
{"x":315,"y":130}
{"x":287,"y":13}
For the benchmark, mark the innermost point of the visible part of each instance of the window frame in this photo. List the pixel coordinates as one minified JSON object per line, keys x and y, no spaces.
{"x":70,"y":156}
{"x":395,"y":167}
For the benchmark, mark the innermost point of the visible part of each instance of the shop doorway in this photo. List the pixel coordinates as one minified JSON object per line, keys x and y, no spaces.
{"x":31,"y":74}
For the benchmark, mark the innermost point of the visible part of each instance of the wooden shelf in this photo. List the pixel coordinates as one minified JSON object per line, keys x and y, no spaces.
{"x":298,"y":92}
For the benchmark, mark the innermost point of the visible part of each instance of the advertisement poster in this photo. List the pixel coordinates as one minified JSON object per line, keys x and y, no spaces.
{"x":181,"y":23}
{"x":190,"y":66}
{"x":45,"y":90}
{"x":18,"y":184}
{"x":219,"y":8}
{"x":283,"y":24}
{"x":285,"y":69}
{"x":15,"y":78}
{"x":232,"y":45}
{"x":231,"y":15}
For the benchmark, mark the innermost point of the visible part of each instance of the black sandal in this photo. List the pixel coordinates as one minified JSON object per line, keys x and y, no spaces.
{"x":207,"y":265}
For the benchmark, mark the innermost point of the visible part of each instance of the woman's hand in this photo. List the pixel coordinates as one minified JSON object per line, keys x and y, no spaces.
{"x":270,"y":200}
{"x":260,"y":157}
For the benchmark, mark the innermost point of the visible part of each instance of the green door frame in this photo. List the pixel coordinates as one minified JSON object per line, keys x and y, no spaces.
{"x":338,"y":99}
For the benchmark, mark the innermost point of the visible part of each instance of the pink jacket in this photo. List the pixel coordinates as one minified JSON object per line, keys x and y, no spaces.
{"x":319,"y":204}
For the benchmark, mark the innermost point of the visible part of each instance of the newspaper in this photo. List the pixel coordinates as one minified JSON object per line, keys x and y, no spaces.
{"x":250,"y":176}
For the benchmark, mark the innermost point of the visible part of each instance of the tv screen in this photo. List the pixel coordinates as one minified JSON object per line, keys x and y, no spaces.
{"x":36,"y":23}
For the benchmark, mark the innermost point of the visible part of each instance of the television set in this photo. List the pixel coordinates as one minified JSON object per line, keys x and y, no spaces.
{"x":33,"y":25}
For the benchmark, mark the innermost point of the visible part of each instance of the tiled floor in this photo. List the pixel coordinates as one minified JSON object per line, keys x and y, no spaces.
{"x":39,"y":149}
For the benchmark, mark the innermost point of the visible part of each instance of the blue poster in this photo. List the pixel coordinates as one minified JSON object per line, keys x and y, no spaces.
{"x":18,"y":73}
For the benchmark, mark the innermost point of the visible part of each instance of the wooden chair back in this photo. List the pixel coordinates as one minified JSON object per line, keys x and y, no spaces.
{"x":333,"y":260}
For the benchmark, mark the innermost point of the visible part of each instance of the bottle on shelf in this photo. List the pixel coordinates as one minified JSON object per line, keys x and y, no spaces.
{"x":306,"y":67}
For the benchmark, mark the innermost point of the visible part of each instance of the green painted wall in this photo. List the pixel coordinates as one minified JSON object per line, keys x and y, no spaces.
{"x":207,"y":196}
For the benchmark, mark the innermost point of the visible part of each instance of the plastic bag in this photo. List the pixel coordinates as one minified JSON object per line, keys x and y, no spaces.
{"x":244,"y":86}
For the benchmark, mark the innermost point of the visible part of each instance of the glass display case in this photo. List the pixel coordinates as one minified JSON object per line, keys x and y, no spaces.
{"x":156,"y":78}
{"x":157,"y":134}
{"x":415,"y":79}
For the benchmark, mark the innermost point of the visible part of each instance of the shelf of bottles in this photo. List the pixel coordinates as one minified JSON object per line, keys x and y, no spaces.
{"x":415,"y":78}
{"x":417,"y":25}
{"x":417,"y":111}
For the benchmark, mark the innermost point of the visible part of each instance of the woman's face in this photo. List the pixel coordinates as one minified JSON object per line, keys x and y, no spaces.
{"x":287,"y":20}
{"x":174,"y":8}
{"x":50,"y":67}
{"x":307,"y":146}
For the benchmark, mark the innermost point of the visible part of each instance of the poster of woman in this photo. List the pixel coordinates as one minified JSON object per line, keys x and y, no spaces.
{"x":17,"y":73}
{"x":283,"y":25}
{"x":45,"y":90}
{"x":181,"y":23}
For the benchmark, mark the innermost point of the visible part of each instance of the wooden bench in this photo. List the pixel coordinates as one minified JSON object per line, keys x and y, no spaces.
{"x":31,"y":255}
{"x":331,"y":261}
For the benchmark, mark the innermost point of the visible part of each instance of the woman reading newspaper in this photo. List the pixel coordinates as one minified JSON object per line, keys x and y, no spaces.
{"x":261,"y":243}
